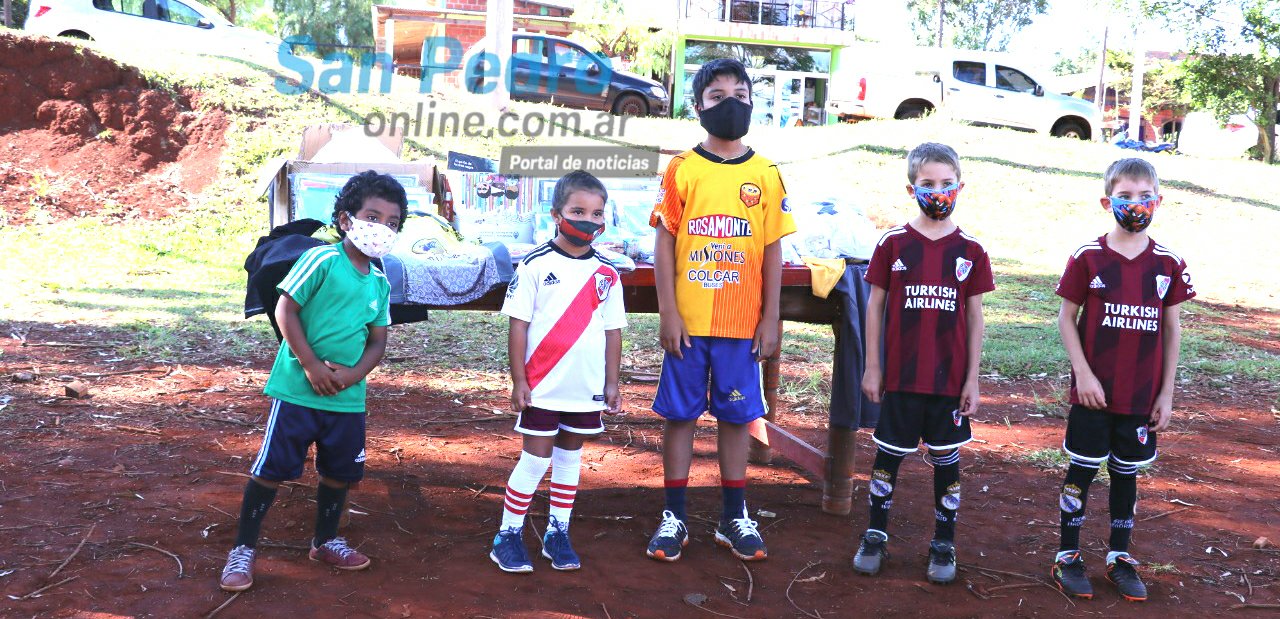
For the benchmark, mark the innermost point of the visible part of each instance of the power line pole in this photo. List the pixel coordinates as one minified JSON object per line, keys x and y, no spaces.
{"x":1100,"y":95}
{"x":499,"y":22}
{"x":1139,"y":59}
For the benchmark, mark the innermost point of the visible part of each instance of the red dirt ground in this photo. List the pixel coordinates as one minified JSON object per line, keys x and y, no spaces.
{"x":81,"y":134}
{"x":152,"y":457}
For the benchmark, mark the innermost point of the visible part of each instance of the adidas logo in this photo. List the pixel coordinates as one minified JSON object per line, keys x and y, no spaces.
{"x":551,"y":280}
{"x":373,"y":305}
{"x":898,"y":266}
{"x":1097,"y":283}
{"x":735,"y":396}
{"x":360,"y":456}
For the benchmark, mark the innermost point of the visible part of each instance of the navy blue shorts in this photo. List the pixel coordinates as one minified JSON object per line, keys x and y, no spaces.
{"x":291,"y":429}
{"x":719,"y":374}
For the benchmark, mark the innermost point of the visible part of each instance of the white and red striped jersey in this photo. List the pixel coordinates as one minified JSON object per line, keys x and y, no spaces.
{"x":569,"y":303}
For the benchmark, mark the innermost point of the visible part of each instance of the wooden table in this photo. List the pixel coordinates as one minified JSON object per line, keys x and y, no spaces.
{"x":797,"y":303}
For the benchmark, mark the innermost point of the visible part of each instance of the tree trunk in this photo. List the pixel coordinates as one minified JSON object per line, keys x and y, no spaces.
{"x":1268,"y":125}
{"x":942,"y":16}
{"x":232,"y":16}
{"x":8,"y":13}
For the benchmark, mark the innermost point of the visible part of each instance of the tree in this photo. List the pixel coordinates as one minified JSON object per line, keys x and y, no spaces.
{"x":604,"y":26}
{"x":974,"y":24}
{"x":1236,"y":67}
{"x":344,"y":23}
{"x":236,"y":11}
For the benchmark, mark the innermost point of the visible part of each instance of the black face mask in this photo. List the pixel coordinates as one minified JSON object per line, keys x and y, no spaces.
{"x":727,"y":120}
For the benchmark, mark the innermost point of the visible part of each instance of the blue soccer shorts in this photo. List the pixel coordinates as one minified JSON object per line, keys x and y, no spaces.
{"x":717,"y":374}
{"x":291,"y":429}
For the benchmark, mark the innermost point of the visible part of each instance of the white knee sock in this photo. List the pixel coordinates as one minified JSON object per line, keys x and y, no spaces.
{"x":566,"y":466}
{"x":521,"y":485}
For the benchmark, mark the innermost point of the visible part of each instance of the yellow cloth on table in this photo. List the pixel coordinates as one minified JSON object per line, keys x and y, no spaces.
{"x":825,"y":273}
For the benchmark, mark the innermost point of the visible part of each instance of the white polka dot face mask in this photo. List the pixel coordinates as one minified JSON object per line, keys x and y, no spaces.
{"x":372,"y":239}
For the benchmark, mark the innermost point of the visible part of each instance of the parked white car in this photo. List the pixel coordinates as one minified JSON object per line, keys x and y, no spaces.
{"x":174,"y":24}
{"x":1203,"y":136}
{"x":980,"y":87}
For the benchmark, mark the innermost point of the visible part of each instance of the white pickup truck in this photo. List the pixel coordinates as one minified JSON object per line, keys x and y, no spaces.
{"x":979,"y":87}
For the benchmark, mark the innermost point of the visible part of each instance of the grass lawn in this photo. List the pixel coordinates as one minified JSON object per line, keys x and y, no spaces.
{"x":173,"y":290}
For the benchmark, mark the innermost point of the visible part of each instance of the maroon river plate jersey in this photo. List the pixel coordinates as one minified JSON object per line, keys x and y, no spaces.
{"x":1122,"y":322}
{"x":927,"y":284}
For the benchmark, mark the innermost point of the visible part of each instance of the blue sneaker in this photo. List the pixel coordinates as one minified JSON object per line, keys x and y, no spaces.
{"x":556,"y":547}
{"x":509,"y":551}
{"x":669,"y":540}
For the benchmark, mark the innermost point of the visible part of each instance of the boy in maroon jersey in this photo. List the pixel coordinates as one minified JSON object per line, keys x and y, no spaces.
{"x":1124,"y":354}
{"x":927,"y":280}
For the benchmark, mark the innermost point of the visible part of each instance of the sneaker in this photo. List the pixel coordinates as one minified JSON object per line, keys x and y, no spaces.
{"x":1123,"y":574}
{"x":509,"y":551}
{"x":337,"y":553}
{"x":670,"y":538}
{"x":1068,"y":574}
{"x":238,"y":573}
{"x":873,"y":551}
{"x":741,"y":537}
{"x":942,"y":562}
{"x":556,"y":547}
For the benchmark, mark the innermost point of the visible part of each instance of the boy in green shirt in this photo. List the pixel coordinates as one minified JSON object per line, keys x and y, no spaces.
{"x":334,"y":310}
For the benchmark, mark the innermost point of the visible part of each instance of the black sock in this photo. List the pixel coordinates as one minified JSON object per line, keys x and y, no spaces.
{"x":1124,"y":499}
{"x":946,"y":494}
{"x":257,"y":499}
{"x":884,"y":476}
{"x":1075,"y":494}
{"x":329,"y":501}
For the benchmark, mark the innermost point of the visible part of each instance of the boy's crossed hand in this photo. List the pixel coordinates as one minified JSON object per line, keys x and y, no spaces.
{"x":328,"y":378}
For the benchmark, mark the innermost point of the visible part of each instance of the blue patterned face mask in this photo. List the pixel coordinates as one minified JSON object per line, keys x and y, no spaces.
{"x":1134,"y":215}
{"x":937,"y":203}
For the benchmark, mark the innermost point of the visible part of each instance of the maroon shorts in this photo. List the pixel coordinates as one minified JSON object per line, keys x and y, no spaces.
{"x":541,"y":422}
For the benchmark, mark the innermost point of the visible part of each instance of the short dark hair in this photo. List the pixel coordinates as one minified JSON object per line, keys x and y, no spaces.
{"x":365,"y":185}
{"x":578,"y":180}
{"x":708,"y":73}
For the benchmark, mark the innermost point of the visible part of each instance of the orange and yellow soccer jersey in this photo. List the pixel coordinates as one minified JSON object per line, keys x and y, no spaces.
{"x":723,"y":214}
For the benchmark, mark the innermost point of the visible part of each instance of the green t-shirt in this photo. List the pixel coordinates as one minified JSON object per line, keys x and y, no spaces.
{"x":339,"y":304}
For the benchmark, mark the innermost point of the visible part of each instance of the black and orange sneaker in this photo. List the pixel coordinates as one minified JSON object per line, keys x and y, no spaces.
{"x":1068,"y":574}
{"x":1123,"y":573}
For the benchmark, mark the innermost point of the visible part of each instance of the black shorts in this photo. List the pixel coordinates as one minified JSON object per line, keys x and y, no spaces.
{"x":906,"y":419}
{"x":291,"y":429}
{"x":1092,"y":435}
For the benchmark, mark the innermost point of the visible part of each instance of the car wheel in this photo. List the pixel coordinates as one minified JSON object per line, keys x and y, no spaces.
{"x":76,"y":34}
{"x":1071,"y":130}
{"x":910,"y":111}
{"x":631,"y":105}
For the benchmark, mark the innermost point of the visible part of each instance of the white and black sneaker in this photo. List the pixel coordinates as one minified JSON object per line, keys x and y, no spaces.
{"x":873,"y":551}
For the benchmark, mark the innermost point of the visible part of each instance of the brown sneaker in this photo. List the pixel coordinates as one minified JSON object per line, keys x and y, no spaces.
{"x":238,"y":573}
{"x":337,"y":553}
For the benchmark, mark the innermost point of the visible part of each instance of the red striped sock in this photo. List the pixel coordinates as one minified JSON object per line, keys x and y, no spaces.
{"x":521,"y":485}
{"x":566,"y":468}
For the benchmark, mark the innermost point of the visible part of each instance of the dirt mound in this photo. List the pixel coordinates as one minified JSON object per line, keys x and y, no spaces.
{"x":81,"y":134}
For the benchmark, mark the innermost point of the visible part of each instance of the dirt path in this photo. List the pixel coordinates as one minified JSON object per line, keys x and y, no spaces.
{"x":154,"y":457}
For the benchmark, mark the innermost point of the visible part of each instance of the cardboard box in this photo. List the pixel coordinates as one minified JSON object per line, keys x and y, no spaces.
{"x":276,"y":183}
